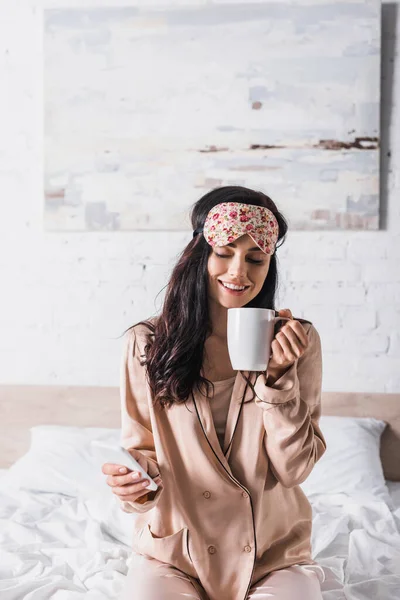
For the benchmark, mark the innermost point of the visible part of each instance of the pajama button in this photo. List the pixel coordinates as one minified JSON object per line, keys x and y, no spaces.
{"x":245,"y":495}
{"x":206,"y":494}
{"x":247,"y":548}
{"x":212,"y":549}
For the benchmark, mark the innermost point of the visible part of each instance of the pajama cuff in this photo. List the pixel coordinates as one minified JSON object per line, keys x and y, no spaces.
{"x":138,"y":507}
{"x":284,"y":389}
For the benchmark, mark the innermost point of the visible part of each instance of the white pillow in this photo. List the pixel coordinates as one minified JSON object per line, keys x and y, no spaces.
{"x":351,"y":464}
{"x":60,"y":460}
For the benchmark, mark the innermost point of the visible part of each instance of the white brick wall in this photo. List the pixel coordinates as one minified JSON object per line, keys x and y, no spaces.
{"x":65,"y":299}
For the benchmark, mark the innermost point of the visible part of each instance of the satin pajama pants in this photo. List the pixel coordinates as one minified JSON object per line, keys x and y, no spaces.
{"x":149,"y":579}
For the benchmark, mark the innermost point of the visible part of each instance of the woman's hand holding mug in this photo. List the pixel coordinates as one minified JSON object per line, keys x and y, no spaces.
{"x":288,"y":345}
{"x":253,"y":345}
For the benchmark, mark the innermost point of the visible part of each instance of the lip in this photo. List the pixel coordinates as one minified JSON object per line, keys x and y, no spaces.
{"x":233,"y":292}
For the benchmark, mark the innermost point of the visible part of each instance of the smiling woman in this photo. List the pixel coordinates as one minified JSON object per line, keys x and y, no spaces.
{"x":199,"y":439}
{"x":200,"y":290}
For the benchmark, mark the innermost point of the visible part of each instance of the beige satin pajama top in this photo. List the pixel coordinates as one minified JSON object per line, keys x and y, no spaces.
{"x":226,"y":514}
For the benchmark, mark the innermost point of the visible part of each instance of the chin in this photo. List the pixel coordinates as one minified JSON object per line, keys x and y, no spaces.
{"x":232,"y":304}
{"x":235,"y":302}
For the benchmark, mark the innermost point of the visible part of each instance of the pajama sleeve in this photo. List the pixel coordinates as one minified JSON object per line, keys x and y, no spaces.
{"x":291,"y":411}
{"x":136,"y":430}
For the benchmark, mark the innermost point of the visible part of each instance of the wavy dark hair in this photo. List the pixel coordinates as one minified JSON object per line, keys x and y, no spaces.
{"x":175,"y":340}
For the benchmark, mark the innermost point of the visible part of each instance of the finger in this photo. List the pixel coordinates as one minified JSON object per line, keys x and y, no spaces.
{"x":285,"y":312}
{"x":119,"y":480}
{"x":277,"y":353}
{"x":134,"y":488}
{"x":299,"y":331}
{"x":295,"y":346}
{"x":113,"y":469}
{"x":133,"y":496}
{"x":290,"y":352}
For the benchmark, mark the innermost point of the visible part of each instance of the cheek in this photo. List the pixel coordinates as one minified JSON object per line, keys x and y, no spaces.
{"x":210,"y":268}
{"x":213,"y":266}
{"x":260,"y":277}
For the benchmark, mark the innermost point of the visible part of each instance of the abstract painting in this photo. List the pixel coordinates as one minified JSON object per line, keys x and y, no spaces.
{"x":148,"y":109}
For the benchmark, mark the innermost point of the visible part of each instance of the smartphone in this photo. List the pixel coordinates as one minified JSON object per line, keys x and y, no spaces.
{"x":111,"y":453}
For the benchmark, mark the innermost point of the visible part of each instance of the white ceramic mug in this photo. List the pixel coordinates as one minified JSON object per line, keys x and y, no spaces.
{"x":250,"y":334}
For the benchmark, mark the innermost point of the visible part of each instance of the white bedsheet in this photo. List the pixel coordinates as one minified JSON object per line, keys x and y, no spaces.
{"x":51,"y":546}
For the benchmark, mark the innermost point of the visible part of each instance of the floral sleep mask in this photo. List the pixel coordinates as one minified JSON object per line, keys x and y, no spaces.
{"x":229,"y":220}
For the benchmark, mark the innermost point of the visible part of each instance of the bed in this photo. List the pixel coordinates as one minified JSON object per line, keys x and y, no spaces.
{"x":64,"y":537}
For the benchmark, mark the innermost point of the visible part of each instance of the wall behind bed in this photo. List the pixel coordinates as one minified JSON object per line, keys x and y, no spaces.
{"x":65,"y":298}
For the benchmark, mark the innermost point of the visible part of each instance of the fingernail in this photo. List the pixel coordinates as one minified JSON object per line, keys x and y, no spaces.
{"x":122,"y":470}
{"x":135,"y":475}
{"x":145,"y":483}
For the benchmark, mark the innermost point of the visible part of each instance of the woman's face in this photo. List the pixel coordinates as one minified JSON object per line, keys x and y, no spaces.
{"x":240,"y":263}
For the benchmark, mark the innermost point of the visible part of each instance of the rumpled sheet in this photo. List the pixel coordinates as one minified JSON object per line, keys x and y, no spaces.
{"x":358,"y":545}
{"x":52,"y":546}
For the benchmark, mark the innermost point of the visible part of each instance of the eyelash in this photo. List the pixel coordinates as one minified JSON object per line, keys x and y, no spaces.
{"x":255,"y":262}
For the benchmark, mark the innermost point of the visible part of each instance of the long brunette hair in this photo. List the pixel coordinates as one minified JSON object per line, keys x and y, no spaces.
{"x":175,"y":341}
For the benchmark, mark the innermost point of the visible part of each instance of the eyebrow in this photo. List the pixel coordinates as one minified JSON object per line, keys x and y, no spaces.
{"x":249,"y":250}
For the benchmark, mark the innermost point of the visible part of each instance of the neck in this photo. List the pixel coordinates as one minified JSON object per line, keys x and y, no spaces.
{"x":219,"y":320}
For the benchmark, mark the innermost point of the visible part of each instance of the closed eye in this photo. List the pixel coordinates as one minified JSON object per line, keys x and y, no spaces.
{"x":251,"y":260}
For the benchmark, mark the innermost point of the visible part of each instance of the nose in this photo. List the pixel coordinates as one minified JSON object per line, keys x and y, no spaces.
{"x":237,"y":268}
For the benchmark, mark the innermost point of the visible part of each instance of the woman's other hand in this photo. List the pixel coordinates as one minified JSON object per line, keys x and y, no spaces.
{"x":288,"y":345}
{"x":128,"y":485}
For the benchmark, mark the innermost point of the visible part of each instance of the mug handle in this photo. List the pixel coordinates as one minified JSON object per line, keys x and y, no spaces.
{"x":275,"y":319}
